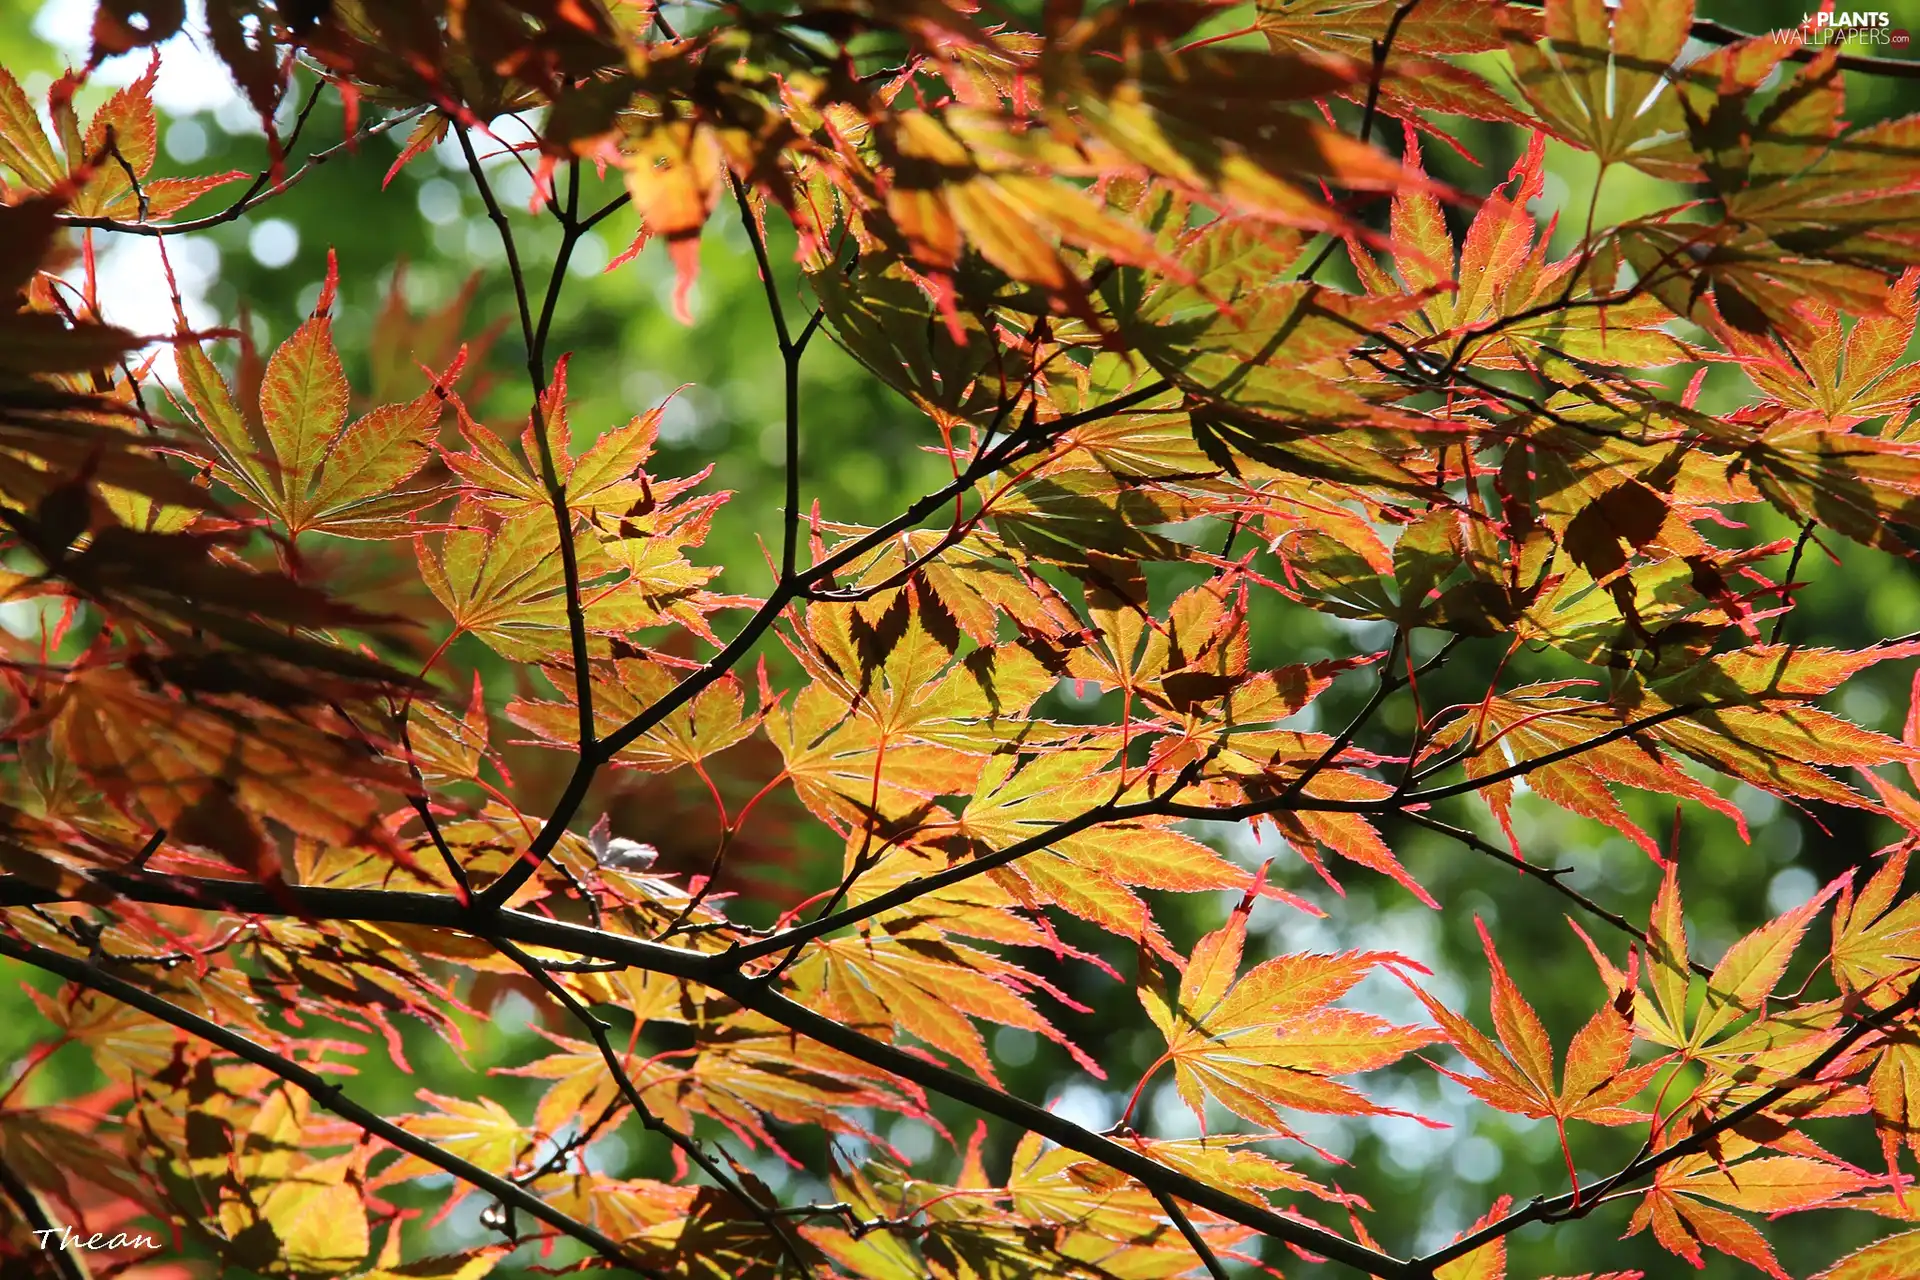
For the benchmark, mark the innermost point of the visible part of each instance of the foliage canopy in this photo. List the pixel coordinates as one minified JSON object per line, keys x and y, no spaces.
{"x":255,"y":808}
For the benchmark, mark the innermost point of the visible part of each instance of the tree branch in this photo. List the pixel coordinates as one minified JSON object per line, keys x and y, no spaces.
{"x":535,"y":336}
{"x":790,"y":354}
{"x":716,"y":970}
{"x":327,"y":1094}
{"x":1200,"y":1247}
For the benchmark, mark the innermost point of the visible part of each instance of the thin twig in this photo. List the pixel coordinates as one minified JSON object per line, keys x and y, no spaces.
{"x":423,"y":809}
{"x":147,"y":850}
{"x":791,"y":351}
{"x":258,"y":193}
{"x":580,"y":1138}
{"x":1550,"y":876}
{"x":1786,"y":583}
{"x":133,"y":179}
{"x":686,"y":1143}
{"x":1390,"y":680}
{"x":1381,"y":49}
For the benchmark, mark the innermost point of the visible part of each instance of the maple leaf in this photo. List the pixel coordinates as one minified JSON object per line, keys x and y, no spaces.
{"x":1271,"y":1038}
{"x":1845,"y":374}
{"x":1518,"y":1072}
{"x":1731,"y":1029}
{"x":1599,"y":80}
{"x":932,"y":990}
{"x":503,"y":581}
{"x":1685,"y":1209}
{"x":1416,"y":80}
{"x":443,"y":745}
{"x":481,"y":1131}
{"x":1087,"y":873}
{"x":630,"y":525}
{"x":1755,"y":722}
{"x":673,"y":170}
{"x":752,"y":1070}
{"x":977,"y":580}
{"x":1222,"y":1161}
{"x":1888,"y":1259}
{"x":1504,"y":287}
{"x":402,"y":343}
{"x":1872,"y":959}
{"x":622,"y":1207}
{"x":204,"y":772}
{"x":282,"y":1209}
{"x":1531,"y":723}
{"x":894,"y":717}
{"x":101,"y":175}
{"x":53,"y":1149}
{"x":1227,"y":357}
{"x":1795,"y":180}
{"x":1489,"y":1261}
{"x":296,"y":457}
{"x":1873,"y":931}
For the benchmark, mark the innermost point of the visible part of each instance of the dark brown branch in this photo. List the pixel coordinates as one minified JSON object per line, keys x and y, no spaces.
{"x":791,"y":352}
{"x":1200,"y":1247}
{"x":423,"y":809}
{"x":147,"y":850}
{"x":718,"y":971}
{"x":1786,"y":582}
{"x":133,"y":179}
{"x":327,"y":1094}
{"x":1382,"y":49}
{"x":1390,"y":681}
{"x":605,"y":211}
{"x":535,"y":336}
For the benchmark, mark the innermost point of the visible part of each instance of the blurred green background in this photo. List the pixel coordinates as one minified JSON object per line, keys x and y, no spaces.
{"x":864,"y":456}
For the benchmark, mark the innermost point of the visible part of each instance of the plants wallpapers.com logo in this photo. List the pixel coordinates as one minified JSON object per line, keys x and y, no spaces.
{"x":1860,"y":27}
